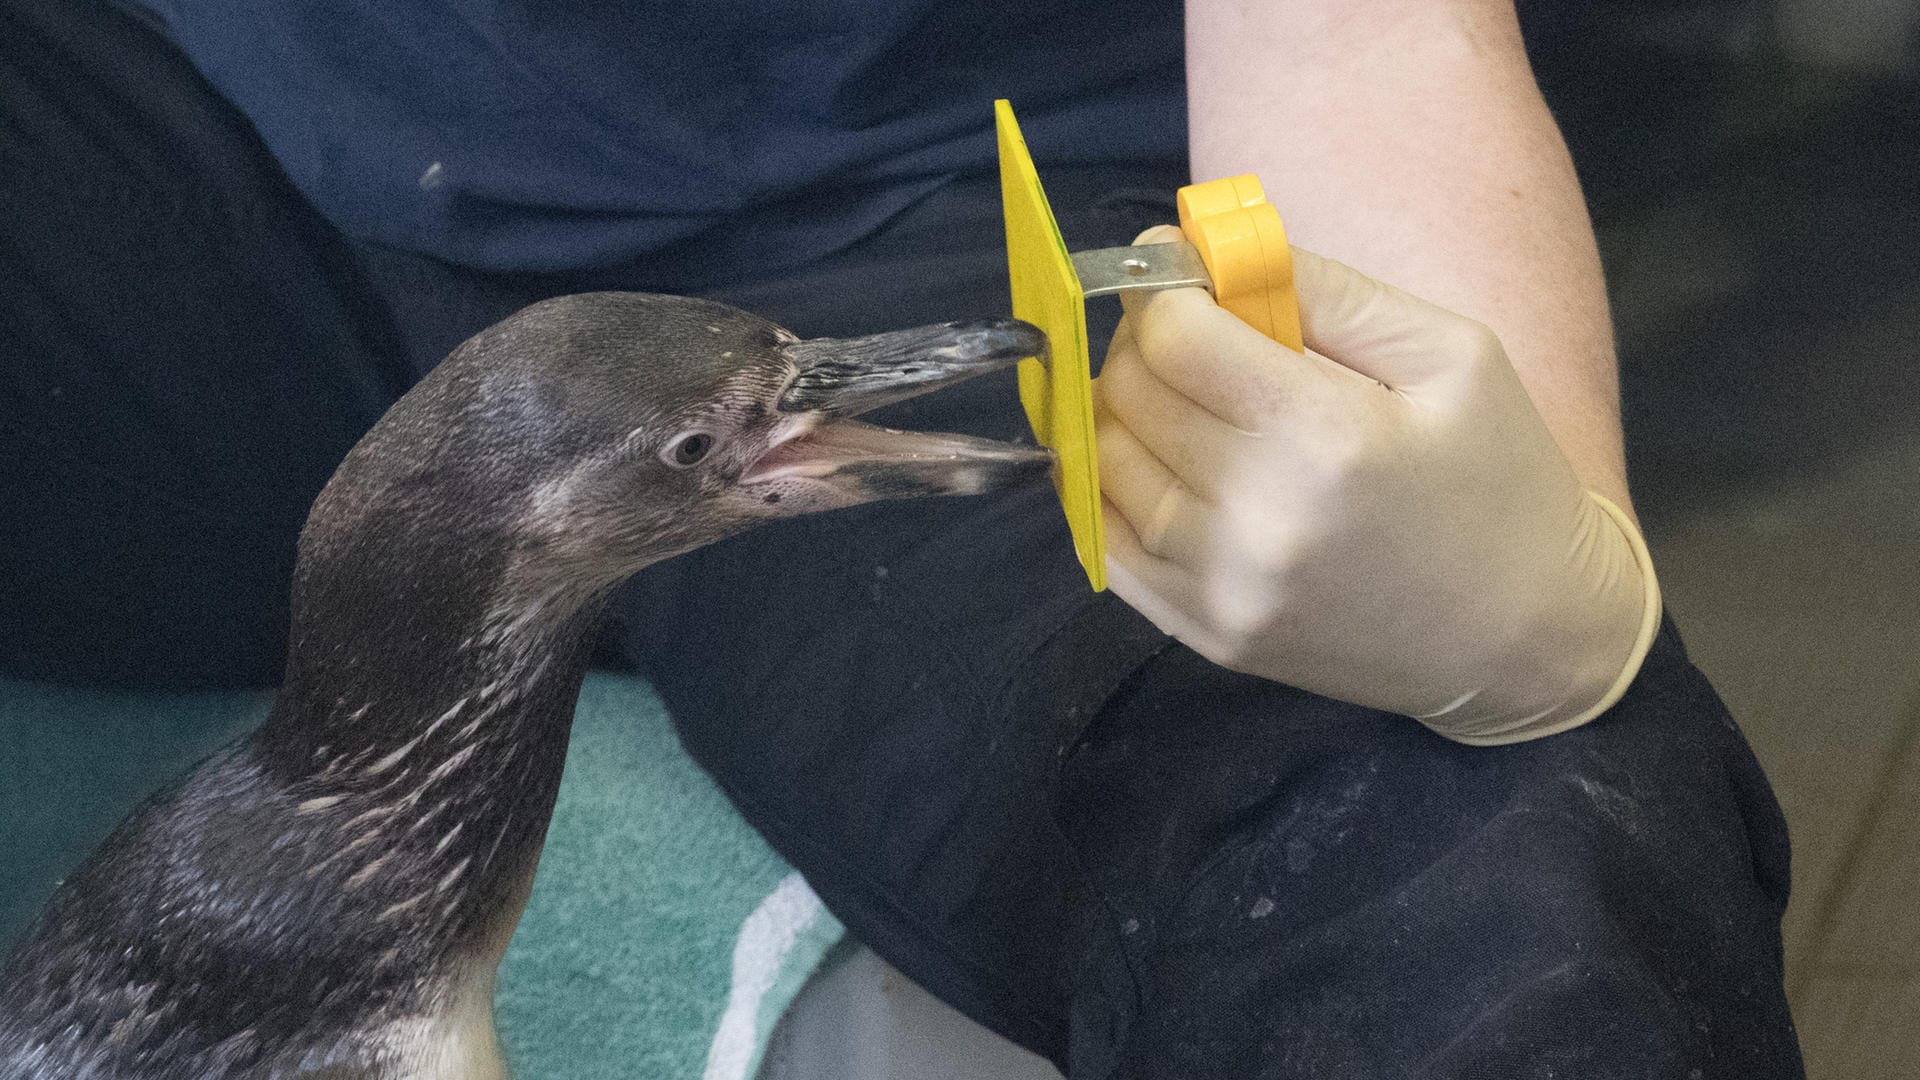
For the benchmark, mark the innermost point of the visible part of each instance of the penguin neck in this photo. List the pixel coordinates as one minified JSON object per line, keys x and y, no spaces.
{"x":429,"y":697}
{"x":426,"y":640}
{"x":400,"y":689}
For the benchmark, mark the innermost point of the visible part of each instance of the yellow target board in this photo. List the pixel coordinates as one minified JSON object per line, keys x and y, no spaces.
{"x":1056,"y":389}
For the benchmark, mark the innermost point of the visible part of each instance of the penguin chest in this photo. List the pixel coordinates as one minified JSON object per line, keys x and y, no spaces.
{"x":457,"y":1041}
{"x":457,"y":1044}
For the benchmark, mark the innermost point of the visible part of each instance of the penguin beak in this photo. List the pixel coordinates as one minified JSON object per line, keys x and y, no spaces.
{"x":837,"y":379}
{"x":849,"y":376}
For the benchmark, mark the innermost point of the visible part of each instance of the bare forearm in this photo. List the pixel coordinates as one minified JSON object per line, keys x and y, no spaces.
{"x":1408,"y":139}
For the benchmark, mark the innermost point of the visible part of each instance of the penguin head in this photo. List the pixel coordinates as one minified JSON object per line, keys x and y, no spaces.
{"x":605,"y":431}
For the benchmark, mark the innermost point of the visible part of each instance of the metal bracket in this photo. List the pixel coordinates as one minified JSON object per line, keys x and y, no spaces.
{"x":1143,"y":268}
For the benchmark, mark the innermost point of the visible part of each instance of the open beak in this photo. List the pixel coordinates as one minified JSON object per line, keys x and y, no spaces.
{"x":839,"y":378}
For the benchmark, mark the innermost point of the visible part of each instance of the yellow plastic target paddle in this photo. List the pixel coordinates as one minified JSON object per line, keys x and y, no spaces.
{"x":1235,"y":247}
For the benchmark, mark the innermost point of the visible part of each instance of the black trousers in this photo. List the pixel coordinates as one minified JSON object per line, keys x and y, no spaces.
{"x":1081,"y":834}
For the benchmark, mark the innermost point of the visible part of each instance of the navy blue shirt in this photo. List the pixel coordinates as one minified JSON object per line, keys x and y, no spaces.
{"x":754,"y":134}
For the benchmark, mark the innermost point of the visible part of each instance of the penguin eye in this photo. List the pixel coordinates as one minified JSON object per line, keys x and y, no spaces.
{"x":689,"y":448}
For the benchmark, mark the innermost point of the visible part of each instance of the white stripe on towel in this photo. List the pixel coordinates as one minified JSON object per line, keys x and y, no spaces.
{"x":766,"y":937}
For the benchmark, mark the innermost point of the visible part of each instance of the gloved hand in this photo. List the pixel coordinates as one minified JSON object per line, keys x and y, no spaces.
{"x":1385,"y":520}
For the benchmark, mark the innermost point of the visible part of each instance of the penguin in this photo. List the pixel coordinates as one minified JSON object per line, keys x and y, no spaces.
{"x":329,"y":897}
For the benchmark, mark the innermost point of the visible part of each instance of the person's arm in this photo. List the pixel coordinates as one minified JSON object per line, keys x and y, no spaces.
{"x":1407,"y":138}
{"x":1418,"y":513}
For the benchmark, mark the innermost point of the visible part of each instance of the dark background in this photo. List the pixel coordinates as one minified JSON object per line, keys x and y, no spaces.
{"x":1754,"y":174}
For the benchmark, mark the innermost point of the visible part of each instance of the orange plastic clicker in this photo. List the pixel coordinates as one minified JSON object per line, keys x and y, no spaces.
{"x":1240,"y":239}
{"x":1235,"y":247}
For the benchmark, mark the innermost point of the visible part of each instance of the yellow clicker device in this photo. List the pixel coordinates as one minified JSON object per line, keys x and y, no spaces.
{"x":1235,"y":248}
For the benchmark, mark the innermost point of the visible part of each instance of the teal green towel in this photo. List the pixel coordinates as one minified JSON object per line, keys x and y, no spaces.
{"x":73,"y":762}
{"x":664,"y":938}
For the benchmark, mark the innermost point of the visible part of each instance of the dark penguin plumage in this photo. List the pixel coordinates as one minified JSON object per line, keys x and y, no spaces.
{"x":329,"y":897}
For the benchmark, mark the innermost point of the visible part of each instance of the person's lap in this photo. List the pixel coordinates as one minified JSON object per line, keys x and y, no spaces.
{"x":1094,"y":841}
{"x":1327,"y":892}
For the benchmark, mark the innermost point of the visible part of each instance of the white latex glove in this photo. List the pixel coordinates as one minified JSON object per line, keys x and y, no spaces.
{"x":1385,"y":520}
